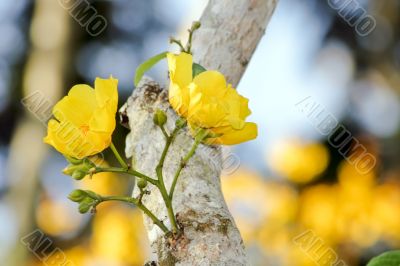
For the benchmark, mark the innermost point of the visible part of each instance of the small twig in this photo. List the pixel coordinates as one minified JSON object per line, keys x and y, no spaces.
{"x":140,"y":206}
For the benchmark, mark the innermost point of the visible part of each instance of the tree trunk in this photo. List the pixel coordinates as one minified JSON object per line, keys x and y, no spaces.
{"x":228,"y":36}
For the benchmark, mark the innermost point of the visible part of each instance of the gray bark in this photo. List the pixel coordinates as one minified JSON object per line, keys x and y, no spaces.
{"x":226,"y":41}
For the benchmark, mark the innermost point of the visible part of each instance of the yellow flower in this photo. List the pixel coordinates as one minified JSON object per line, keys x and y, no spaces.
{"x":207,"y":101}
{"x":85,"y":119}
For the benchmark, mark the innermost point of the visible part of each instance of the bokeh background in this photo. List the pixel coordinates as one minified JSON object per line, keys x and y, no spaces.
{"x":290,"y":179}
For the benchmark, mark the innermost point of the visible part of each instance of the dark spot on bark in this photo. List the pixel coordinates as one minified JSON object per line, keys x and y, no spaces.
{"x":206,"y":197}
{"x":224,"y":224}
{"x":124,"y":119}
{"x":244,"y":62}
{"x":163,"y":95}
{"x":165,"y":257}
{"x":151,"y":92}
{"x":190,"y":219}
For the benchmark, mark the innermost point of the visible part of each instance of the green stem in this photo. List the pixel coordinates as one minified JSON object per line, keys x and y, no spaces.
{"x":172,"y":40}
{"x":140,"y":205}
{"x":118,"y":156}
{"x":127,"y":171}
{"x":163,"y":190}
{"x":182,"y":165}
{"x":189,"y":44}
{"x":194,"y":27}
{"x":164,"y":132}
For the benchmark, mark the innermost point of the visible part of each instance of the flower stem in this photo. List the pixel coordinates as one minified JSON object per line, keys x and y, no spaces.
{"x":182,"y":165}
{"x":164,"y":132}
{"x":163,"y":190}
{"x":118,"y":156}
{"x":178,"y":42}
{"x":194,"y":27}
{"x":126,"y":171}
{"x":140,"y":205}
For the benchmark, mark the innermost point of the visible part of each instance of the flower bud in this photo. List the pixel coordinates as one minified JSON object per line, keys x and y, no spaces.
{"x":142,"y":183}
{"x":77,"y":195}
{"x":70,"y":169}
{"x":78,"y":175}
{"x":159,"y":118}
{"x":85,"y":205}
{"x":79,"y":171}
{"x":196,"y":25}
{"x":91,"y":194}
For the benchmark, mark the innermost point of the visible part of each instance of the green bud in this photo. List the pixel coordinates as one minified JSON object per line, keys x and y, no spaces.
{"x":91,"y":194}
{"x":180,"y":122}
{"x":85,"y":205}
{"x":77,"y":195}
{"x":78,"y":175}
{"x":70,"y":169}
{"x":196,"y":25}
{"x":79,"y":171}
{"x":159,"y":118}
{"x":142,"y":183}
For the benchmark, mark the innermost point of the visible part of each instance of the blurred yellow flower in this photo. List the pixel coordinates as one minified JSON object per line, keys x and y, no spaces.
{"x":85,"y":119}
{"x":207,"y":101}
{"x":119,"y":236}
{"x":244,"y":190}
{"x":319,"y":210}
{"x":56,"y":218}
{"x":297,"y":161}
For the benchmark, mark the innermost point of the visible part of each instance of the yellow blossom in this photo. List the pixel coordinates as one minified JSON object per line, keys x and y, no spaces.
{"x":85,"y":119}
{"x":207,"y":101}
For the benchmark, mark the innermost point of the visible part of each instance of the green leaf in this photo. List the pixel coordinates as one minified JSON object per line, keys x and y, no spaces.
{"x":146,"y":65}
{"x":390,"y":258}
{"x":197,"y":69}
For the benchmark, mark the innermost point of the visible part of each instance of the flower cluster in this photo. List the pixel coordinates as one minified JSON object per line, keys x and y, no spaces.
{"x":207,"y":101}
{"x":84,"y":121}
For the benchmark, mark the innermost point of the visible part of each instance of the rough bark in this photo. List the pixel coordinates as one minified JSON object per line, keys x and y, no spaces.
{"x":228,"y":37}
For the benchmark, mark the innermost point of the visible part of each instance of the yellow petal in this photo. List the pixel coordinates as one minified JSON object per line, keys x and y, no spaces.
{"x":211,"y":83}
{"x":179,"y":99}
{"x":103,"y":120}
{"x":77,"y":107}
{"x":180,"y":69}
{"x":95,"y":143}
{"x":231,"y":136}
{"x":64,"y":137}
{"x":107,"y":93}
{"x":205,"y":111}
{"x":71,"y":141}
{"x":52,"y":127}
{"x":234,"y":105}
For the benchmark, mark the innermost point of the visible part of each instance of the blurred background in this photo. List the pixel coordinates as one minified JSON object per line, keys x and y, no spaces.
{"x":290,"y":179}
